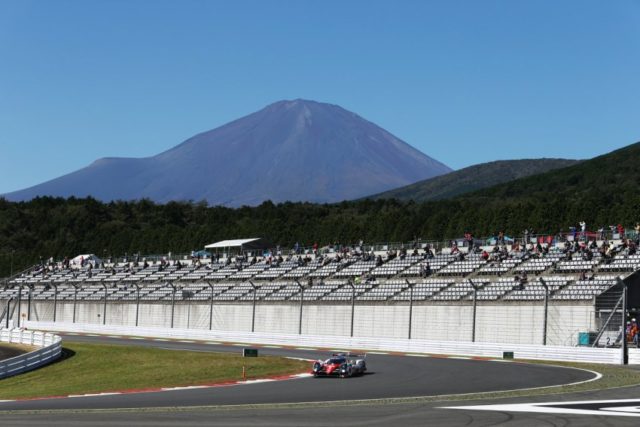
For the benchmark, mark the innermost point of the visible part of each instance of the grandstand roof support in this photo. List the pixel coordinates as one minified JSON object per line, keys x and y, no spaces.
{"x":253,"y":314}
{"x":301,"y":305}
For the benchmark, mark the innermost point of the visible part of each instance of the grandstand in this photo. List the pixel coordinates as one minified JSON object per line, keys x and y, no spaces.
{"x":496,"y":276}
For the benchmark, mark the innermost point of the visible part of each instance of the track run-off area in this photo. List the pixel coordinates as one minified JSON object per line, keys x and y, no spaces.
{"x":390,"y":376}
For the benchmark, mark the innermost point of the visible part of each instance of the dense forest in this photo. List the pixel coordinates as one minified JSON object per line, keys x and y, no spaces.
{"x":600,"y":191}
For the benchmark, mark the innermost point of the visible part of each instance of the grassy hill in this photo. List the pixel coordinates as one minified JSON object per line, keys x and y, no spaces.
{"x":473,"y":178}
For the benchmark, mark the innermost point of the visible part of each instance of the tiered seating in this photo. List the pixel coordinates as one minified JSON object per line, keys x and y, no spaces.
{"x":326,"y":270}
{"x":235,"y":292}
{"x":536,"y":265}
{"x":575,"y":266}
{"x":494,"y":290}
{"x":395,"y":266}
{"x":585,"y":289}
{"x":303,"y":270}
{"x":345,"y":292}
{"x":436,"y":263}
{"x":535,"y":291}
{"x":284,"y":293}
{"x":357,"y":269}
{"x":319,"y":290}
{"x":384,"y":291}
{"x":462,"y":268}
{"x":249,"y":271}
{"x":276,"y":271}
{"x":457,"y":291}
{"x":493,"y":268}
{"x":424,"y":289}
{"x":262,"y":291}
{"x":622,"y":263}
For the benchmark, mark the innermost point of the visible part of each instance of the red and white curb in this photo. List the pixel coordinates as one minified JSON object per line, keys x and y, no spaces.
{"x":179,"y":388}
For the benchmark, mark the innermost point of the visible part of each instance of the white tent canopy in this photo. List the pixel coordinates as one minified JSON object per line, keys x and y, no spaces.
{"x":90,"y":258}
{"x":237,"y":243}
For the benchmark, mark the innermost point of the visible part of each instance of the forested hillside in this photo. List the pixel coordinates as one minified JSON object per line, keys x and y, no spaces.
{"x":473,"y":178}
{"x":600,"y":191}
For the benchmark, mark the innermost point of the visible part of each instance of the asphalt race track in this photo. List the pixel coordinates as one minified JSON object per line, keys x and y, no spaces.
{"x":391,"y":376}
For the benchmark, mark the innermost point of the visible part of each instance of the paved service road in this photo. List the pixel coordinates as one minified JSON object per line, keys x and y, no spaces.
{"x":8,"y":351}
{"x":389,"y":376}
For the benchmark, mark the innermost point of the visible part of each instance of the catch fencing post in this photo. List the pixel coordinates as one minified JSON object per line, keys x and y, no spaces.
{"x":546,"y":311}
{"x":75,"y":300}
{"x":301,"y":304}
{"x":410,"y":305}
{"x":211,"y":306}
{"x":137,"y":301}
{"x":29,"y":302}
{"x":19,"y":303}
{"x":473,"y":323}
{"x":104,"y":307}
{"x":353,"y":303}
{"x":253,"y":314}
{"x":624,"y":347}
{"x":55,"y":302}
{"x":173,"y":302}
{"x":8,"y":311}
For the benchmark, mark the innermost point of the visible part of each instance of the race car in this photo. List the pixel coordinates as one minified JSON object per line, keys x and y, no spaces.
{"x":340,"y":364}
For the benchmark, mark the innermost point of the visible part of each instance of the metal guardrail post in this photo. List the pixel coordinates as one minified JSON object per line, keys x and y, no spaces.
{"x":475,"y":304}
{"x":55,"y":302}
{"x":546,"y":311}
{"x":253,"y":314}
{"x":353,"y":303}
{"x":137,"y":301}
{"x":211,"y":306}
{"x":301,"y":305}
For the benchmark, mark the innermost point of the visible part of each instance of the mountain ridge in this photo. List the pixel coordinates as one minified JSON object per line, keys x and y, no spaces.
{"x":291,"y":150}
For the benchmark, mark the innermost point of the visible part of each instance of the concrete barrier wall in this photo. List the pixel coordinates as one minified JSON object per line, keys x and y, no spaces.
{"x":50,"y":350}
{"x":516,"y":323}
{"x":521,"y":351}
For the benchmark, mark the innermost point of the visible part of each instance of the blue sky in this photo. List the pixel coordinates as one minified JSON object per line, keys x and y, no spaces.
{"x":463,"y":81}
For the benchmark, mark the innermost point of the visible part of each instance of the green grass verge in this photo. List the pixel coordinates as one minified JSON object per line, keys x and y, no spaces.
{"x":94,"y":368}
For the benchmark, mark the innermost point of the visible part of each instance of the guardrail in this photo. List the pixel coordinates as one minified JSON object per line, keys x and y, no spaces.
{"x":491,"y":350}
{"x":51,"y":350}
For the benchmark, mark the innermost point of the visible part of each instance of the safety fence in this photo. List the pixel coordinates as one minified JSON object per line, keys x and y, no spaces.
{"x":49,"y":351}
{"x":414,"y":346}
